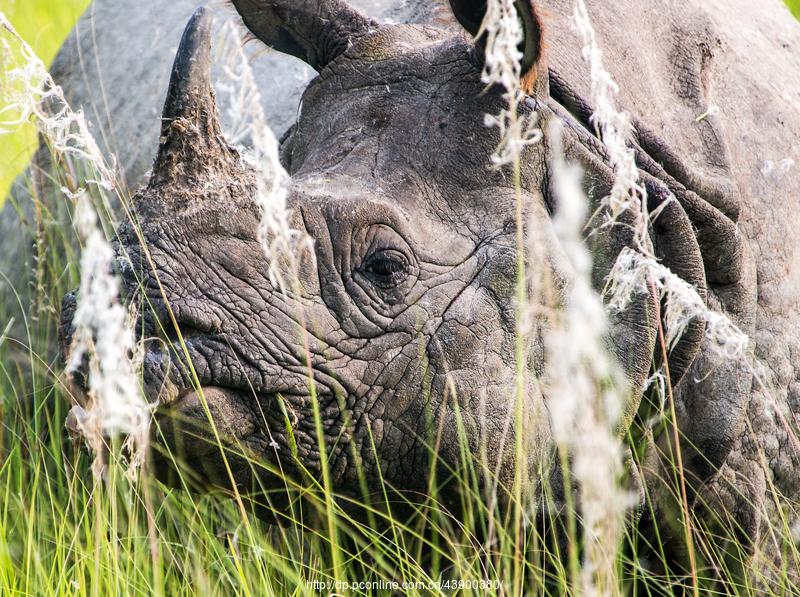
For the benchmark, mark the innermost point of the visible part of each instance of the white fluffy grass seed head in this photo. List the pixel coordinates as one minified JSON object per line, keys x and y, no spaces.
{"x":614,"y":128}
{"x":502,"y":67}
{"x":247,"y":121}
{"x":638,"y":271}
{"x":585,"y":386}
{"x":102,"y":331}
{"x":583,"y":383}
{"x":634,"y":273}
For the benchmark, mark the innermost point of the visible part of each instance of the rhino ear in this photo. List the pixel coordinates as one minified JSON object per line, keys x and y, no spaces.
{"x":472,"y":13}
{"x":316,"y":31}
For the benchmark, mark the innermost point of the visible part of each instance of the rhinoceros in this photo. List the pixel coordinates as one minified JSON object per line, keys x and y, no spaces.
{"x":409,"y":296}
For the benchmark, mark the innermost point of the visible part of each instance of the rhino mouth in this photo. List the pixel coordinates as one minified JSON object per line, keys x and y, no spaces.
{"x":221,"y":411}
{"x":219,"y":434}
{"x":214,"y":435}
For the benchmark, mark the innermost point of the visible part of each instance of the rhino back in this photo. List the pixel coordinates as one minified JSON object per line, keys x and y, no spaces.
{"x":719,"y":82}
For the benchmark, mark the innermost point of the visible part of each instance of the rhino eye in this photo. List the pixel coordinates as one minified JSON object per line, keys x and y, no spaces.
{"x":386,"y":268}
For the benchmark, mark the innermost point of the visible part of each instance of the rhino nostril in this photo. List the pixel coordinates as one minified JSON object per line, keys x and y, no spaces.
{"x":157,"y":383}
{"x":76,"y":423}
{"x":77,"y":382}
{"x":76,"y":379}
{"x":66,"y":329}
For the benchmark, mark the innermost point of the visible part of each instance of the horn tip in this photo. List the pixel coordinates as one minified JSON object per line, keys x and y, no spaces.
{"x":201,"y":17}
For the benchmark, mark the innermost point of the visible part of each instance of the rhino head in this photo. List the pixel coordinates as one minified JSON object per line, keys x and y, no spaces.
{"x":399,"y":335}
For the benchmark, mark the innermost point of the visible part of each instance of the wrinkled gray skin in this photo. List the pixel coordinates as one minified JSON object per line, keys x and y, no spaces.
{"x":389,"y":160}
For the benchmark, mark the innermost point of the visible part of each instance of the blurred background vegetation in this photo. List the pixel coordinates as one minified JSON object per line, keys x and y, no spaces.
{"x":44,"y":24}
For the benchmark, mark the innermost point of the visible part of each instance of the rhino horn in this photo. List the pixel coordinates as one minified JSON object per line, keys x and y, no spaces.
{"x":192,"y":150}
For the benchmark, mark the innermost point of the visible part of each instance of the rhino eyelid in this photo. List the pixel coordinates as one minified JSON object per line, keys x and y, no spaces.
{"x":386,"y":268}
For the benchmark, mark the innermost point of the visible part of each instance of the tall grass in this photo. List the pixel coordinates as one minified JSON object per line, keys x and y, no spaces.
{"x":64,"y":530}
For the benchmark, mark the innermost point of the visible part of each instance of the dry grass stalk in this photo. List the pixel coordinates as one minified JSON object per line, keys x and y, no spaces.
{"x":102,"y":331}
{"x":282,"y":244}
